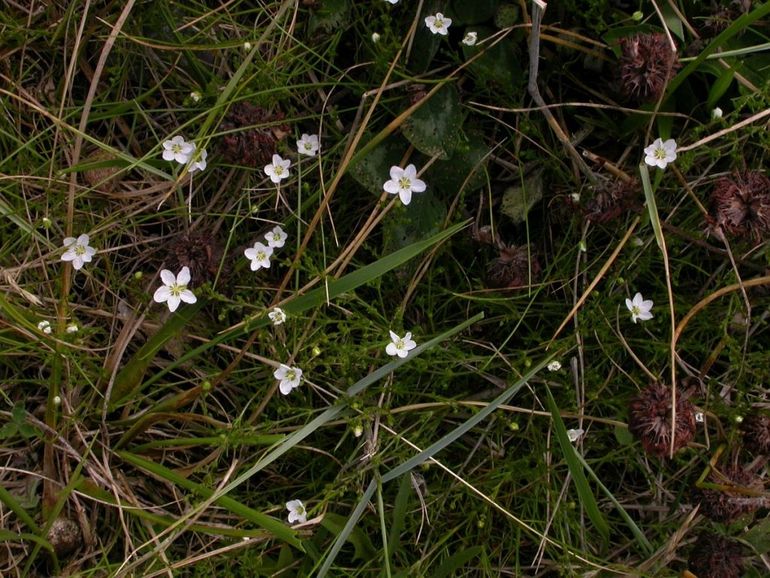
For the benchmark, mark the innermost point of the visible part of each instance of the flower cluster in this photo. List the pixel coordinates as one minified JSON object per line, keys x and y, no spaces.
{"x":184,"y":152}
{"x":260,"y":254}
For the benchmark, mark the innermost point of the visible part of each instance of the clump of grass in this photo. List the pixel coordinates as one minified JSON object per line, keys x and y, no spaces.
{"x":138,"y":440}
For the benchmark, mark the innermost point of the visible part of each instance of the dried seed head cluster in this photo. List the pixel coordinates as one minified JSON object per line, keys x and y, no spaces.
{"x":650,"y":419}
{"x":740,"y":492}
{"x":613,"y":200}
{"x":741,"y":204}
{"x":65,"y":536}
{"x":714,"y":556}
{"x":647,"y":63}
{"x":756,"y":433}
{"x":200,"y":252}
{"x":515,"y":267}
{"x":251,"y":143}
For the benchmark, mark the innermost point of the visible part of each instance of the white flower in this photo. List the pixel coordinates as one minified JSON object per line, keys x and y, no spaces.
{"x":200,"y":163}
{"x":174,"y":289}
{"x":277,"y":315}
{"x":699,"y":416}
{"x":276,"y":238}
{"x":45,"y":326}
{"x":78,"y":251}
{"x":398,"y":346}
{"x":660,"y":153}
{"x":554,"y":366}
{"x":716,"y":113}
{"x":438,"y":24}
{"x":195,"y":96}
{"x":574,"y":434}
{"x":297,"y":512}
{"x":278,"y":169}
{"x":290,"y":377}
{"x":177,"y":149}
{"x":470,"y":38}
{"x":247,"y":46}
{"x":72,"y":328}
{"x":259,"y":255}
{"x":308,"y":144}
{"x":375,"y":37}
{"x":639,"y":308}
{"x":404,"y":182}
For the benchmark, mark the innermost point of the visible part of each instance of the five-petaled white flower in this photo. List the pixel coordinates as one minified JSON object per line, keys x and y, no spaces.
{"x":470,"y":38}
{"x":276,"y":238}
{"x":289,"y":377}
{"x":45,"y":326}
{"x":72,"y":328}
{"x":308,"y":144}
{"x":277,"y":315}
{"x":399,"y":346}
{"x":198,"y":164}
{"x":438,"y":24}
{"x":278,"y":169}
{"x":573,"y":435}
{"x":174,"y":289}
{"x":404,"y":182}
{"x":639,"y":308}
{"x":660,"y":153}
{"x":259,"y":255}
{"x":78,"y":251}
{"x":297,"y":512}
{"x":554,"y":366}
{"x":177,"y":149}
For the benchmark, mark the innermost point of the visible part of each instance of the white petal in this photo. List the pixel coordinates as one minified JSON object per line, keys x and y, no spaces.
{"x":391,"y":187}
{"x":69,"y":241}
{"x":184,"y":276}
{"x":77,"y":262}
{"x":418,"y":186}
{"x":83,"y":239}
{"x":393,"y":336}
{"x":188,"y":296}
{"x":396,"y":172}
{"x":391,"y":349}
{"x":161,"y":294}
{"x":167,"y":277}
{"x":629,"y":304}
{"x":68,"y":255}
{"x":405,"y":195}
{"x":173,"y":302}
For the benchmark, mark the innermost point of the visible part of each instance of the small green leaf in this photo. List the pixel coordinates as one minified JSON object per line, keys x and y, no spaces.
{"x":435,"y":128}
{"x":364,"y":549}
{"x":518,"y":200}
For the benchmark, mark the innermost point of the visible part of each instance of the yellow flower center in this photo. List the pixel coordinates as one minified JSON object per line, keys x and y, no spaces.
{"x":404,"y":183}
{"x":80,"y":250}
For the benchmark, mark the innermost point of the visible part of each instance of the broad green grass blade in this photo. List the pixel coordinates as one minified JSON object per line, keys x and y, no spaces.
{"x":276,"y":527}
{"x":652,"y":208}
{"x":585,"y":494}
